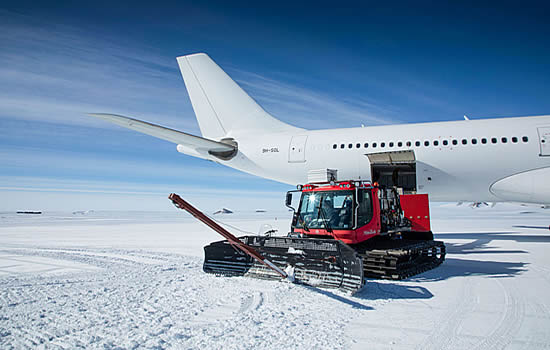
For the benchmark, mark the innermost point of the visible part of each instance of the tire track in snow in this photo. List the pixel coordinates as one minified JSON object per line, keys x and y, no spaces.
{"x":445,"y":331}
{"x":65,"y":308}
{"x":540,"y":309}
{"x":130,"y":304}
{"x":251,"y":302}
{"x":510,"y":322}
{"x":234,"y":307}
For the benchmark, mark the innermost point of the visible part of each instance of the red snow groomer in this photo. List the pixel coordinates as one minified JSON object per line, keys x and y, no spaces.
{"x":340,"y":233}
{"x":389,"y":231}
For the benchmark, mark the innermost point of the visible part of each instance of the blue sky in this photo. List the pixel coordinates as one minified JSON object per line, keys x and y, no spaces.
{"x":310,"y":66}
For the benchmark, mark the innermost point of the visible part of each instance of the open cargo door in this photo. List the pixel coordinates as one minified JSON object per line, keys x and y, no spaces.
{"x":397,"y":168}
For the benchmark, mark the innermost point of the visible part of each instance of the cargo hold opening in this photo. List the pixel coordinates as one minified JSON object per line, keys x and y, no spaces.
{"x":394,"y":169}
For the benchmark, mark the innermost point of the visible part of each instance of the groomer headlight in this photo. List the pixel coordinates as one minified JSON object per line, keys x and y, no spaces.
{"x":299,"y":187}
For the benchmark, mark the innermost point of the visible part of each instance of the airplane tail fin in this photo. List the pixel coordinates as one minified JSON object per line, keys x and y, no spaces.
{"x":222,"y":107}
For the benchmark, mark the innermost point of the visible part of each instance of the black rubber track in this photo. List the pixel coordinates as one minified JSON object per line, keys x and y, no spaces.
{"x":399,"y":259}
{"x":325,"y":263}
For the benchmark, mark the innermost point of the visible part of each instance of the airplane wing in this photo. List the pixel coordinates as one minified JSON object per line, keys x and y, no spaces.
{"x":187,"y":143}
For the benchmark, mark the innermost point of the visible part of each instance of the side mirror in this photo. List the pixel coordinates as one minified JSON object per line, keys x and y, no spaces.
{"x":288,"y":199}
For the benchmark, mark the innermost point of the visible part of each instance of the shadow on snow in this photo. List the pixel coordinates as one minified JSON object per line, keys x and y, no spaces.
{"x":341,"y":298}
{"x":501,"y":236}
{"x":375,"y":290}
{"x":454,"y":267}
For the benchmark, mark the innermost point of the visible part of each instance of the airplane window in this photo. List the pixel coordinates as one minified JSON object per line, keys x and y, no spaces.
{"x":334,"y":146}
{"x":514,"y":139}
{"x":391,"y":144}
{"x":484,"y":140}
{"x":342,"y":146}
{"x":350,"y":145}
{"x":445,"y":142}
{"x":366,"y":145}
{"x":474,"y":141}
{"x":417,"y":143}
{"x":374,"y":145}
{"x":358,"y":145}
{"x":494,"y":140}
{"x":382,"y":144}
{"x":409,"y":143}
{"x":464,"y":141}
{"x":455,"y":142}
{"x":426,"y":143}
{"x":436,"y":143}
{"x":524,"y":139}
{"x":399,"y":144}
{"x":504,"y":140}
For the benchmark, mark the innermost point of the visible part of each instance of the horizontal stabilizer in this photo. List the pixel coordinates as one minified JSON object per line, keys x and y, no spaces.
{"x":193,"y":145}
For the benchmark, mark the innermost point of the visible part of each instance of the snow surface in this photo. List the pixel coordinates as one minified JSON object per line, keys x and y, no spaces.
{"x":135,"y":280}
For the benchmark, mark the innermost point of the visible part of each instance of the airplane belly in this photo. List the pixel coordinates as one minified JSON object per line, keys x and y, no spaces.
{"x":530,"y":187}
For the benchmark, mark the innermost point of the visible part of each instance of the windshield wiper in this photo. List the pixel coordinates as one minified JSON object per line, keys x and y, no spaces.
{"x":304,"y":224}
{"x":324,"y":216}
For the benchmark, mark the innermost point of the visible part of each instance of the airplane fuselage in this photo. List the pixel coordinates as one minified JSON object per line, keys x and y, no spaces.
{"x":505,"y":159}
{"x":485,"y":160}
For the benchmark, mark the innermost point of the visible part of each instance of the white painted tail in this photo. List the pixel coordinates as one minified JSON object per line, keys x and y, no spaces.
{"x":223,"y":108}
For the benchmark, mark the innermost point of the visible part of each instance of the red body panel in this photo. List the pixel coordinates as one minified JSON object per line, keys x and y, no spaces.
{"x":417,"y":209}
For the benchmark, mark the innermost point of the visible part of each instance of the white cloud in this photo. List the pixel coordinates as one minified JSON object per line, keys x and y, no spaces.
{"x":59,"y":73}
{"x":302,"y":106}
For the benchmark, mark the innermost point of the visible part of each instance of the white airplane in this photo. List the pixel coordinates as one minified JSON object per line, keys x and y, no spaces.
{"x":491,"y":160}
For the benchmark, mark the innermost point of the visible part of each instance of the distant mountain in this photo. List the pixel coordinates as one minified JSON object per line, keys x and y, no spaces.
{"x":223,"y":211}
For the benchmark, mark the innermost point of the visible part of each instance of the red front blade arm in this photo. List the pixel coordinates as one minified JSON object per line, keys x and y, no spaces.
{"x":234,"y":241}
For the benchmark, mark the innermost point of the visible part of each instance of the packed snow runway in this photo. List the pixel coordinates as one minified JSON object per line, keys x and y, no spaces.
{"x":135,"y":280}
